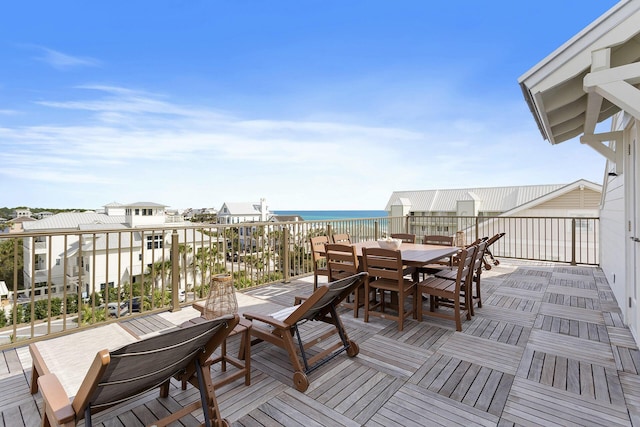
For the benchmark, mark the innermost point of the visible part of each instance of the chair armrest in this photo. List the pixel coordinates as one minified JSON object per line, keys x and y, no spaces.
{"x":266,"y":319}
{"x":298,"y":300}
{"x":56,"y":402}
{"x":198,"y":306}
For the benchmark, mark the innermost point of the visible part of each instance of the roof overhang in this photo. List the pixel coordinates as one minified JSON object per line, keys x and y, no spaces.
{"x":588,"y":79}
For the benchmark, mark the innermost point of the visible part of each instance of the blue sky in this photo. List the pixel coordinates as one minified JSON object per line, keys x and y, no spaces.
{"x":310,"y":104}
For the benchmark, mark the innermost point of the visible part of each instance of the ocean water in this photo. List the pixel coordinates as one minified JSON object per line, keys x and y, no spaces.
{"x":332,"y":215}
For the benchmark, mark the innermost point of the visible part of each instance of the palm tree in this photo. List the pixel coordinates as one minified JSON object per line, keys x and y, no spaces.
{"x":7,"y":262}
{"x":160,"y":272}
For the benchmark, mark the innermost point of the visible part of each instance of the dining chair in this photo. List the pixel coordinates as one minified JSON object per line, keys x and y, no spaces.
{"x":319,"y":260}
{"x":386,"y":276}
{"x":444,"y":263}
{"x":343,"y":238}
{"x":441,"y":290}
{"x":405,"y":237}
{"x":475,"y":275}
{"x":342,"y":261}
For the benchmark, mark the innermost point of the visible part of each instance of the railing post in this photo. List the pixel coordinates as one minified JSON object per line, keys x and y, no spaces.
{"x":287,"y":264}
{"x":406,"y":224}
{"x":477,"y":228}
{"x":573,"y":241}
{"x":175,"y":271}
{"x":329,"y":232}
{"x":376,"y":230}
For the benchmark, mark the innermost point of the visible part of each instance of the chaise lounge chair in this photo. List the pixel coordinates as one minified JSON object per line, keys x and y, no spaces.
{"x":125,"y":373}
{"x":280,"y":328}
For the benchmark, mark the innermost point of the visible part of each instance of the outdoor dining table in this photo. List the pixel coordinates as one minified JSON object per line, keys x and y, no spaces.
{"x":413,"y":254}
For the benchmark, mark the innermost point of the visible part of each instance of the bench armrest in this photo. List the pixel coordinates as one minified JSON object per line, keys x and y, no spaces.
{"x":269,"y":320}
{"x":57,"y":405}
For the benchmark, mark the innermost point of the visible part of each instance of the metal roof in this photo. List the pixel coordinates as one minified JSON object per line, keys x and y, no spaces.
{"x":240,"y":208}
{"x":490,"y":199}
{"x":72,"y":220}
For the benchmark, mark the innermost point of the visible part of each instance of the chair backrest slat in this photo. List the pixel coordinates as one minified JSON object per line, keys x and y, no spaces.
{"x":438,"y":240}
{"x":405,"y":237}
{"x":143,"y":365}
{"x":317,"y":246}
{"x":343,"y":238}
{"x":342,"y":260}
{"x":385,"y":263}
{"x":325,"y":296}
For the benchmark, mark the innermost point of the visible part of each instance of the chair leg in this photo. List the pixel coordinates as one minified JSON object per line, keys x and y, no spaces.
{"x":356,"y":301}
{"x":456,"y":312}
{"x":400,"y":311}
{"x":367,"y":301}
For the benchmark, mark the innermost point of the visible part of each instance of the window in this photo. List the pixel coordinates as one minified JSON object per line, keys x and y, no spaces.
{"x":139,"y":257}
{"x":127,"y":212}
{"x":137,"y":212}
{"x":58,"y":261}
{"x":154,"y":242}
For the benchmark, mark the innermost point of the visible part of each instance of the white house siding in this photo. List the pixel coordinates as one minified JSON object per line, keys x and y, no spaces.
{"x":612,"y":252}
{"x":574,"y":200}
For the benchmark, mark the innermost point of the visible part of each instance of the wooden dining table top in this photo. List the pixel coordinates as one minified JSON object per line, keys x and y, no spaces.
{"x":413,"y":254}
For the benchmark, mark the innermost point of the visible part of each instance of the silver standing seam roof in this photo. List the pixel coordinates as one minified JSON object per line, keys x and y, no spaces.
{"x":492,"y":199}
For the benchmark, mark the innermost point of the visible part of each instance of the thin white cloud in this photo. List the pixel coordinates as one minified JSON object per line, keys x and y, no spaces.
{"x":63,"y":61}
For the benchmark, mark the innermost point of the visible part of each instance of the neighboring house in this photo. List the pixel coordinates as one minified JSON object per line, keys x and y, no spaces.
{"x":591,"y":78}
{"x":17,"y":224}
{"x":238,"y":213}
{"x":92,"y":259}
{"x":43,"y":214}
{"x":431,"y":208}
{"x":235,"y":213}
{"x":19,"y":213}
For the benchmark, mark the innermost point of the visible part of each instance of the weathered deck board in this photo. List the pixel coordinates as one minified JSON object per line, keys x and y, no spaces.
{"x":494,"y":355}
{"x":572,"y":347}
{"x":548,"y":347}
{"x":532,"y":403}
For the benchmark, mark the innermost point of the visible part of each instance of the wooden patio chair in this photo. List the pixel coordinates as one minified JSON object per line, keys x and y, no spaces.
{"x":281,"y":327}
{"x":475,"y":275}
{"x":343,"y":238}
{"x":319,"y":260}
{"x":444,"y":263}
{"x":386,"y":275}
{"x":405,"y":237}
{"x":342,"y":261}
{"x":439,"y":288}
{"x":126,"y":373}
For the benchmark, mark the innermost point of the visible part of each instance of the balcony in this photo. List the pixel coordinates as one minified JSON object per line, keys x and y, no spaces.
{"x":548,"y":347}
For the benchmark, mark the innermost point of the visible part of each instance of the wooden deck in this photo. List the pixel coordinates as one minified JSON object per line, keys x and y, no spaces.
{"x":548,"y":347}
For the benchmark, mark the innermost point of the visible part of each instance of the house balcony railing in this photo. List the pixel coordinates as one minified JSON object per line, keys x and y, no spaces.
{"x":145,"y":270}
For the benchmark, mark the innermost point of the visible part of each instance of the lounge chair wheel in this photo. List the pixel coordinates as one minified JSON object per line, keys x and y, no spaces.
{"x":496,"y":262}
{"x":353,"y":349}
{"x":300,"y":381}
{"x":487,"y":267}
